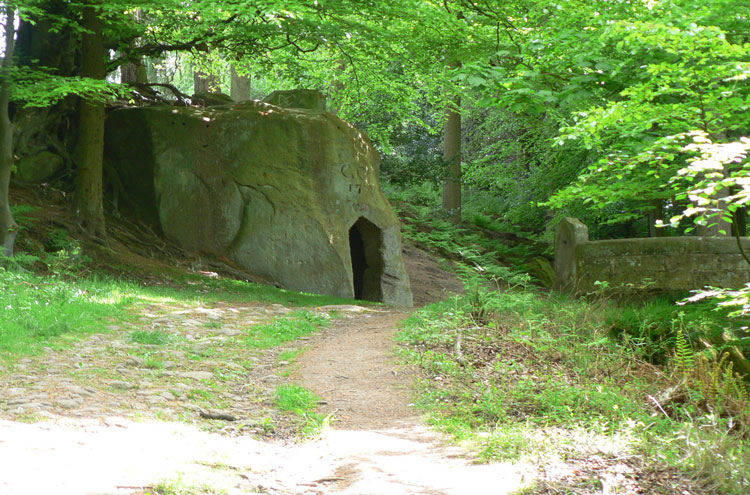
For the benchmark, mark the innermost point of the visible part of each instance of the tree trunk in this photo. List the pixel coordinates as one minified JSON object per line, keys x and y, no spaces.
{"x":452,"y":158}
{"x":8,"y":226}
{"x":89,"y":200}
{"x":204,"y":83}
{"x":133,"y":72}
{"x":739,"y":222}
{"x":239,"y":88}
{"x":656,"y":214}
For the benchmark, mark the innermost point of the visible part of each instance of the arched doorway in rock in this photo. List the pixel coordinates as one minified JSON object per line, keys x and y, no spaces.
{"x":365,"y":244}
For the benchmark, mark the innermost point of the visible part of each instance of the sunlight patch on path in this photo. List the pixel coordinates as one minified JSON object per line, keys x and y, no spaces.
{"x":409,"y":461}
{"x":123,"y":457}
{"x":86,"y":457}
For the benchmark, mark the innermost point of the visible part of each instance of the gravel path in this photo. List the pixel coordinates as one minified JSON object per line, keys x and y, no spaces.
{"x":203,"y":366}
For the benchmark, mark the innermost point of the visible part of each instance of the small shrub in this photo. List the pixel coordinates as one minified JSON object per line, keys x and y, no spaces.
{"x":651,"y":329}
{"x":57,"y":240}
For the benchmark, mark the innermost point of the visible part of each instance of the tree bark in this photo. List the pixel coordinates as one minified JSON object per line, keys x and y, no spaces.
{"x":239,"y":88}
{"x":739,"y":222}
{"x":133,"y":72}
{"x":89,"y":197}
{"x":452,"y":158}
{"x":653,"y":216}
{"x":8,"y":226}
{"x":204,"y":83}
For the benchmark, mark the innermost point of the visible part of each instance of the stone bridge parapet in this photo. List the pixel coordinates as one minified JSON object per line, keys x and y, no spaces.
{"x":665,"y":263}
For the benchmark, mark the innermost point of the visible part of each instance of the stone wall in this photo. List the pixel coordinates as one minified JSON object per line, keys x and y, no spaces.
{"x":669,"y":263}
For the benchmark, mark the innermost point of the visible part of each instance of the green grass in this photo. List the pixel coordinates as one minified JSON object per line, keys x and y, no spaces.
{"x":295,"y":398}
{"x":153,"y":337}
{"x":38,"y":312}
{"x":178,"y":487}
{"x":289,"y":355}
{"x":201,"y":395}
{"x":224,"y":289}
{"x":301,"y":402}
{"x":284,"y":329}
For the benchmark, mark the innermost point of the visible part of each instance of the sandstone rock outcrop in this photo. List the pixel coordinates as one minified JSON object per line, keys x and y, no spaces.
{"x":308,"y":99}
{"x":289,"y":194}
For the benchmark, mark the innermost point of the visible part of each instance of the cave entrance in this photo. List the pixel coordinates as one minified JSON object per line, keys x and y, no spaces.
{"x":365,"y":244}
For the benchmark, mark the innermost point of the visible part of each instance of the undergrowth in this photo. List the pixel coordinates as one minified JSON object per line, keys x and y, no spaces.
{"x":483,"y":239}
{"x":520,"y":374}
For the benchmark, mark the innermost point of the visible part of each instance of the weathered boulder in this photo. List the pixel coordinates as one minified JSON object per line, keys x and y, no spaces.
{"x":289,"y":194}
{"x":38,"y":168}
{"x":208,"y":99}
{"x":309,"y":99}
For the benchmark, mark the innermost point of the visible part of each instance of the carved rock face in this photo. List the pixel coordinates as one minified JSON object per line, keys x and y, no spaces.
{"x":289,"y":194}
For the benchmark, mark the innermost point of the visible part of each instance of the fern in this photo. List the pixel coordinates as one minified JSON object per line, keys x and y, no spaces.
{"x":684,"y":355}
{"x":21,"y":214}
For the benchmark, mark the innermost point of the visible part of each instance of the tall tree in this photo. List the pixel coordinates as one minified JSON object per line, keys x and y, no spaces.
{"x":89,"y":194}
{"x":452,"y":158}
{"x":8,"y":226}
{"x":134,"y":70}
{"x":204,"y":83}
{"x":239,"y":85}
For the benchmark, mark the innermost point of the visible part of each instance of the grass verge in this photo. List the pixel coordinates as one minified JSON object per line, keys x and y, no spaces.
{"x":40,"y":312}
{"x":284,"y":329}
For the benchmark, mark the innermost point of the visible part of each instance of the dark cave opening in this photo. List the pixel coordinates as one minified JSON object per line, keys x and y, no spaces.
{"x":359,"y":261}
{"x":365,"y":241}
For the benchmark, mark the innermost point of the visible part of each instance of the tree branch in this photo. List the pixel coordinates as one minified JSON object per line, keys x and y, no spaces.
{"x":354,"y":67}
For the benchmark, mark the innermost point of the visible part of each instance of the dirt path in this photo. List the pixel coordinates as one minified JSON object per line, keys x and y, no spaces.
{"x":352,"y":366}
{"x":108,"y":416}
{"x":378,"y":443}
{"x":105,"y":440}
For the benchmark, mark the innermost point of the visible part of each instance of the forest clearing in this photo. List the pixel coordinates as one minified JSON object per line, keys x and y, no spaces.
{"x":404,"y":247}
